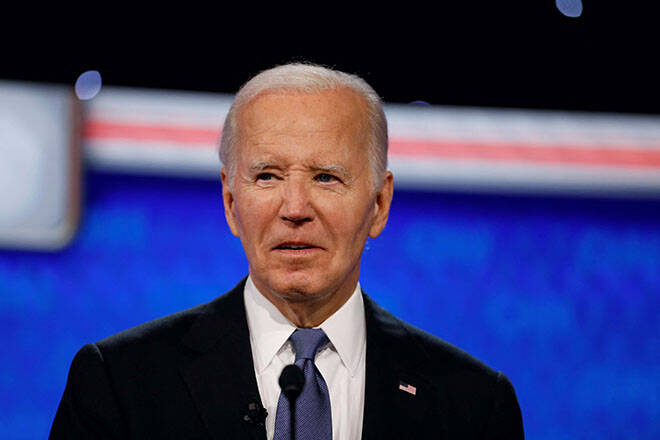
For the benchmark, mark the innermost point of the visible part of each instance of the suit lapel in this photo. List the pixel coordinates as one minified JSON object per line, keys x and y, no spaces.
{"x":395,"y":359}
{"x":221,"y":380}
{"x":222,"y":383}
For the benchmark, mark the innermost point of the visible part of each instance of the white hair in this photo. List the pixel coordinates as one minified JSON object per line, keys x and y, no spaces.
{"x":309,"y":78}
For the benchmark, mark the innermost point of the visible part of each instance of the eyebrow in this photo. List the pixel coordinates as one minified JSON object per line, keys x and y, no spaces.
{"x":262,"y":165}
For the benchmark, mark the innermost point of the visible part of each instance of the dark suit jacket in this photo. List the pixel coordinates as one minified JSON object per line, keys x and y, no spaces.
{"x":190,"y":376}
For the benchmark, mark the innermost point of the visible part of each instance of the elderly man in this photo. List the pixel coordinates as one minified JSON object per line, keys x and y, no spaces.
{"x":305,"y":183}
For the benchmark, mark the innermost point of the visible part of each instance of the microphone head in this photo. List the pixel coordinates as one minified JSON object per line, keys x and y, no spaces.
{"x":292,"y":381}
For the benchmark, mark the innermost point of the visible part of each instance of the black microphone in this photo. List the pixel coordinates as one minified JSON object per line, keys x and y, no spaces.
{"x":292,"y":381}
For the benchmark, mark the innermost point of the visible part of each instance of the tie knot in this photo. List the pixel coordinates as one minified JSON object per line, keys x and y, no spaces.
{"x":307,"y":341}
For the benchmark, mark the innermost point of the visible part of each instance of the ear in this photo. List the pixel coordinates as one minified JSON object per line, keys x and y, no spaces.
{"x":228,"y":201}
{"x":382,"y":205}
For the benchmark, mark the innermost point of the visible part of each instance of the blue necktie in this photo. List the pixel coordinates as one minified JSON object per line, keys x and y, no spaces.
{"x":313,"y":417}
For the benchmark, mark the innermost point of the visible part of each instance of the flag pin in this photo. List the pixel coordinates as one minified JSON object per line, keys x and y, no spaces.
{"x":407,"y":388}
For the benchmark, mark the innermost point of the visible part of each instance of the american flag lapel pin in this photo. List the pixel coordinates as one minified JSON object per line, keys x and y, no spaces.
{"x":410,"y":389}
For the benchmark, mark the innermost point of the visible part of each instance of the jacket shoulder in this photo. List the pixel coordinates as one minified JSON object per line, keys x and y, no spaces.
{"x":160,"y":329}
{"x":168,"y":332}
{"x":445,"y":354}
{"x":470,"y":399}
{"x":414,"y":343}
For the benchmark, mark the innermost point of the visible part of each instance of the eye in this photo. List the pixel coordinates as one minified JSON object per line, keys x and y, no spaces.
{"x":265,"y":176}
{"x":325,"y":178}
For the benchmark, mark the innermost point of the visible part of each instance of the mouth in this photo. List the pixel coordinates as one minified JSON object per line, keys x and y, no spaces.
{"x":296,"y":248}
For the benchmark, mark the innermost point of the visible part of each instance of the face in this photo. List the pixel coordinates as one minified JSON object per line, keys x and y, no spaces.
{"x":302,"y":199}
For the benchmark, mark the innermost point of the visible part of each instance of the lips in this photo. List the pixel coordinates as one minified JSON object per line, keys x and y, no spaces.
{"x":295,"y":246}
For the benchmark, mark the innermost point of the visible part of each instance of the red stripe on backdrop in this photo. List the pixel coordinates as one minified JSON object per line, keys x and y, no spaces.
{"x":183,"y":134}
{"x":191,"y":136}
{"x":495,"y":151}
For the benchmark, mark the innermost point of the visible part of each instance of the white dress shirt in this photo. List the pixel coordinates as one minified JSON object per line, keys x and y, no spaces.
{"x":341,"y":362}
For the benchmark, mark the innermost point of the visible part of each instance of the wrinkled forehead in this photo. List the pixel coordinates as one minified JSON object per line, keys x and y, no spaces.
{"x":336,"y":112}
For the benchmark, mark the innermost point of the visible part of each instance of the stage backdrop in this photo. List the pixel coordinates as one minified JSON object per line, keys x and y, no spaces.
{"x":562,"y":294}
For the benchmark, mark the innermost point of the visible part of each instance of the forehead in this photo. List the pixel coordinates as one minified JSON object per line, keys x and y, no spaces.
{"x":314,"y":122}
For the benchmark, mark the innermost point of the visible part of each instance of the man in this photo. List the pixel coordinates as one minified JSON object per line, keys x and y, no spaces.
{"x":305,"y":182}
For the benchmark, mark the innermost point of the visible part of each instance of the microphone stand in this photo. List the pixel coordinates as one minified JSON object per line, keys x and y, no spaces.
{"x":292,"y":416}
{"x":292,"y":381}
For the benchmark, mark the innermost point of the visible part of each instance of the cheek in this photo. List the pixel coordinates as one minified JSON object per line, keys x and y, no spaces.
{"x":353,"y":224}
{"x":253,"y":214}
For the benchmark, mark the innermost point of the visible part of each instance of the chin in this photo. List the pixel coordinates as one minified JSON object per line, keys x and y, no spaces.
{"x":298,"y":287}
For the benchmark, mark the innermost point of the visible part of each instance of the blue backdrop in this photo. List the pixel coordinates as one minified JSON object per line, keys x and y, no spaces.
{"x":562,"y":294}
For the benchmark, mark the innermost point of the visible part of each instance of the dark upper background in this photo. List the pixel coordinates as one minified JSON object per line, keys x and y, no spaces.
{"x":500,"y":54}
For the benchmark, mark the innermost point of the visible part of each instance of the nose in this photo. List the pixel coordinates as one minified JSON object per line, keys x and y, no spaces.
{"x":296,"y":205}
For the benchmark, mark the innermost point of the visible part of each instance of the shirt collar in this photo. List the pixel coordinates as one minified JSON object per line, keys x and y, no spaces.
{"x":270,"y":329}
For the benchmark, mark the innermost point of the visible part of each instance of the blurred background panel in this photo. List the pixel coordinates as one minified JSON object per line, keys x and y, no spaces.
{"x":40,"y":166}
{"x":525,"y":225}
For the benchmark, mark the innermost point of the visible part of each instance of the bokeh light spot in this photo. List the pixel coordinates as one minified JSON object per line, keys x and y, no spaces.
{"x":570,"y":8}
{"x":88,"y":85}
